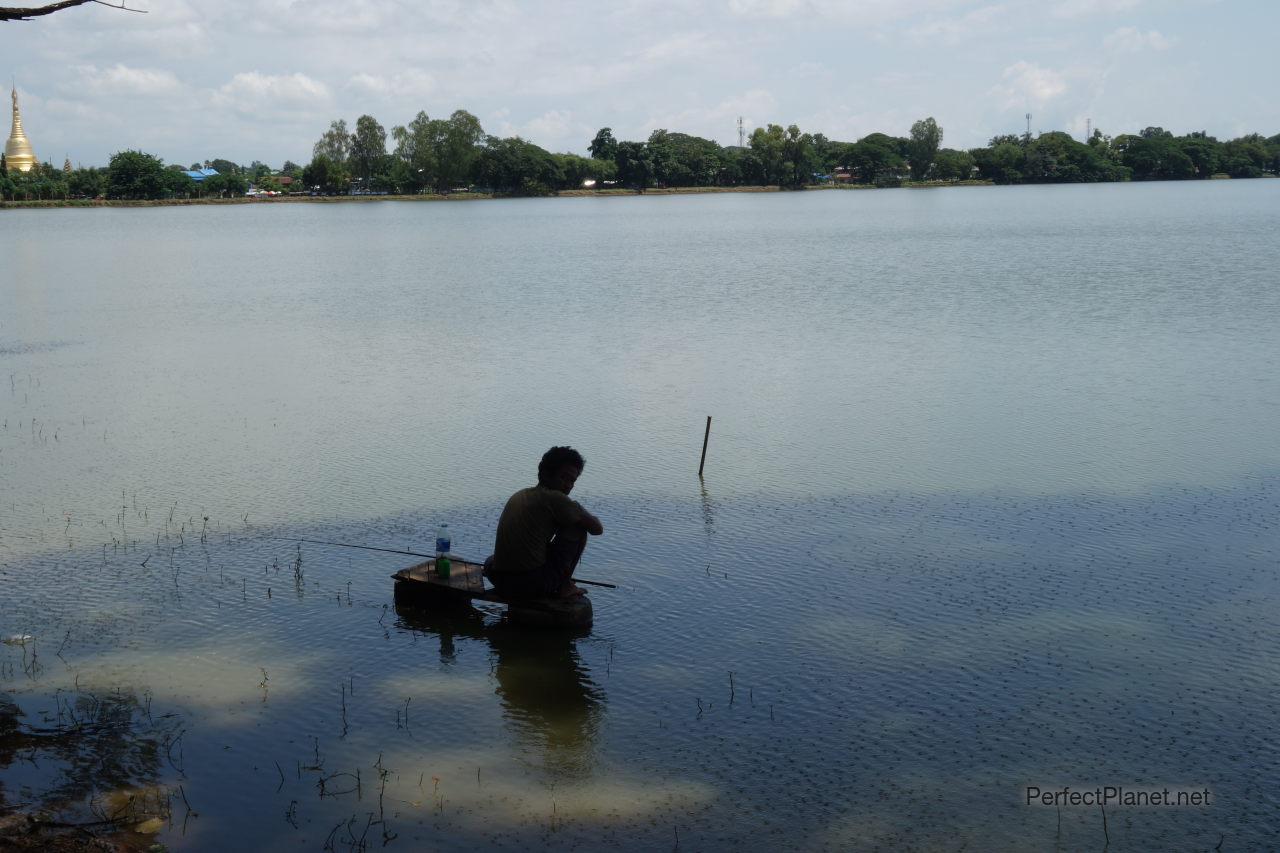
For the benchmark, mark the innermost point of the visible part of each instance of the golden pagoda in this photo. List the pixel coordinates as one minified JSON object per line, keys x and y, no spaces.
{"x":17,"y":150}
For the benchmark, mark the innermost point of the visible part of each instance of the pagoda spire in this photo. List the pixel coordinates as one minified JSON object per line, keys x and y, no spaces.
{"x":17,"y":149}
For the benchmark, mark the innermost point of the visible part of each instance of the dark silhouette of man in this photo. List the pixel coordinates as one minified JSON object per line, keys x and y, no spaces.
{"x":542,"y":533}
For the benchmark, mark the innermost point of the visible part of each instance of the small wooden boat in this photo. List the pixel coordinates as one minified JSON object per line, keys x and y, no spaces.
{"x":422,"y":586}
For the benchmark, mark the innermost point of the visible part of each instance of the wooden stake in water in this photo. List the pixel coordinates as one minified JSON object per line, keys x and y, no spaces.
{"x":706,"y":435}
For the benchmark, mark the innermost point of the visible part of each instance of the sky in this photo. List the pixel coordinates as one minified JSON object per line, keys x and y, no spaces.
{"x":247,"y":80}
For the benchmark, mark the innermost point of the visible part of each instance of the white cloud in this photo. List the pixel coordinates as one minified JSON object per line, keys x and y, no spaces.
{"x":682,"y":46}
{"x":257,"y":95}
{"x":900,"y":78}
{"x":757,"y":108}
{"x":1086,"y":8}
{"x":335,"y":15}
{"x":1026,"y":83}
{"x":854,"y":13}
{"x":123,"y":81}
{"x":409,"y":82}
{"x":766,"y":8}
{"x":810,"y":71}
{"x":1133,"y":40}
{"x":952,"y":31}
{"x":555,"y":124}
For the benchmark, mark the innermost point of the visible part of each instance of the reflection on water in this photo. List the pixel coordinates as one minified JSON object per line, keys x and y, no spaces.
{"x":550,"y":704}
{"x":94,"y":761}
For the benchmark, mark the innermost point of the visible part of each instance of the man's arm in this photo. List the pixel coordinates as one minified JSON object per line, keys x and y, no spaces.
{"x":591,"y":524}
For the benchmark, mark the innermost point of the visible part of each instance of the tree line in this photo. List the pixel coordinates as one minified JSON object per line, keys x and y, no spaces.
{"x":1153,"y":154}
{"x":135,"y":175}
{"x":441,"y":155}
{"x":451,"y":154}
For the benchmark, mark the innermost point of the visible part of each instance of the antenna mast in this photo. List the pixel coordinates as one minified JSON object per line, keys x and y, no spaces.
{"x":742,"y":134}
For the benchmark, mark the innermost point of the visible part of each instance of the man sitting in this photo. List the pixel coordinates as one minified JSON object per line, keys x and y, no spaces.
{"x":542,"y":533}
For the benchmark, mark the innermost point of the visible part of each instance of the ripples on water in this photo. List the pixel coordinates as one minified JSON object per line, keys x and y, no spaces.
{"x":974,"y":520}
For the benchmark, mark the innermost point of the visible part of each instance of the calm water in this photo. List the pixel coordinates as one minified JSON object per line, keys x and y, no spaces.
{"x":990,"y":502}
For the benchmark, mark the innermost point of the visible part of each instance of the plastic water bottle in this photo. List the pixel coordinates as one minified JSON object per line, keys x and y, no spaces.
{"x":443,"y":544}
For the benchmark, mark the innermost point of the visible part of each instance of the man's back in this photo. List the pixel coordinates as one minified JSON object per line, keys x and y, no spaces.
{"x":528,"y":521}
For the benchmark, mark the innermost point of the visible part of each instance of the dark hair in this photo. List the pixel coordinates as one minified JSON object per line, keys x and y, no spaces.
{"x":555,"y":459}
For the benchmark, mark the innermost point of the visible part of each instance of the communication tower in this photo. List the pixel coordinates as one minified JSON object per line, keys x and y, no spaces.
{"x":1028,"y":126}
{"x":742,"y":134}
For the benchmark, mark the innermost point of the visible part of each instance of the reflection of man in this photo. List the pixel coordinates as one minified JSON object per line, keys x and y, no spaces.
{"x":550,"y":704}
{"x":542,"y":533}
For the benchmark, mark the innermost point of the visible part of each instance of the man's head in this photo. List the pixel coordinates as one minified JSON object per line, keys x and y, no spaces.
{"x":560,"y":468}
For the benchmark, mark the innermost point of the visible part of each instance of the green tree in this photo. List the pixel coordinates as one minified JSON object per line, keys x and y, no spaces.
{"x":1009,"y":139}
{"x":1245,"y":157}
{"x":1273,"y":153}
{"x":952,"y":165}
{"x":442,"y":152}
{"x":681,"y":160}
{"x":740,"y":167}
{"x":42,"y":182}
{"x":768,"y":144}
{"x":334,"y":144}
{"x":179,"y":185}
{"x":822,"y":151}
{"x":224,"y":185}
{"x":458,"y":150}
{"x":398,"y":177}
{"x":87,"y":183}
{"x":635,"y":168}
{"x":576,"y":170}
{"x":1204,"y":151}
{"x":693,"y":160}
{"x":517,"y":167}
{"x":1153,"y":155}
{"x":604,"y":146}
{"x":922,"y":147}
{"x":1056,"y":157}
{"x":416,"y":150}
{"x":660,"y":156}
{"x":324,"y":175}
{"x":896,"y":144}
{"x":877,"y":159}
{"x":840,"y":157}
{"x":135,"y":175}
{"x":225,"y":167}
{"x":368,"y":148}
{"x":800,"y":158}
{"x":1001,"y":162}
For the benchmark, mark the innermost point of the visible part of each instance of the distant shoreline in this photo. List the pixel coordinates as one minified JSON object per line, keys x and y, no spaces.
{"x":323,"y":199}
{"x":329,"y":199}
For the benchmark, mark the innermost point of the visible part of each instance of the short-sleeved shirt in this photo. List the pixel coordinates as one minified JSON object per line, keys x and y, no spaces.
{"x":528,"y":522}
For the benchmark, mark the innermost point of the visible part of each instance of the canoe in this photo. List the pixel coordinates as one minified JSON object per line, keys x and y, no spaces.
{"x":419,"y":584}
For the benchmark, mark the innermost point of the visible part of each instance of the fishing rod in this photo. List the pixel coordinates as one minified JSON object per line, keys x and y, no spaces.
{"x":415,"y":554}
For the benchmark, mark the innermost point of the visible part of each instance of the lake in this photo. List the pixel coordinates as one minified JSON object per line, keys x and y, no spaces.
{"x":990,"y":506}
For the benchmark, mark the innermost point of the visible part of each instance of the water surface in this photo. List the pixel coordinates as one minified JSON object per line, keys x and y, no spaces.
{"x":990,"y":503}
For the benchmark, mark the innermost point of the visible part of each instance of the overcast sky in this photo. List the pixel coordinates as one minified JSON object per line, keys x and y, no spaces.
{"x":192,"y":81}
